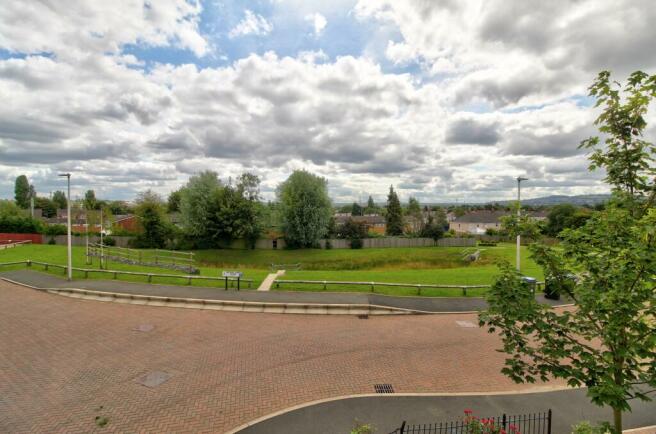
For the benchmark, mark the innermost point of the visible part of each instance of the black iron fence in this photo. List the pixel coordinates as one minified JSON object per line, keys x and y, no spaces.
{"x":532,"y":423}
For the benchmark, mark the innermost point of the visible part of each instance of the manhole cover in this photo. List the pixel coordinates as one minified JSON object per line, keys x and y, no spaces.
{"x":466,"y":324}
{"x":144,"y":327}
{"x":154,"y":379}
{"x":383,"y":388}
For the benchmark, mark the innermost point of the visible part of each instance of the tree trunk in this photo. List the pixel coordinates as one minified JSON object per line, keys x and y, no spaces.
{"x":617,"y":419}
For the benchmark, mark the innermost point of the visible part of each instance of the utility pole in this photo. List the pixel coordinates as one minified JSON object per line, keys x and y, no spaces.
{"x":68,"y":212}
{"x":519,"y":213}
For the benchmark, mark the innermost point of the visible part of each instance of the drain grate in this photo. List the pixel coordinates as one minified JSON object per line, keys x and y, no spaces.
{"x":363,"y":316}
{"x":383,"y":388}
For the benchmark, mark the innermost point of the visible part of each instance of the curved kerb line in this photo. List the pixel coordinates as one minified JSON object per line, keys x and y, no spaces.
{"x":535,"y":390}
{"x":246,"y":306}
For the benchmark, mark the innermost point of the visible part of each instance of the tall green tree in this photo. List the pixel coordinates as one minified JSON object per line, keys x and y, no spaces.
{"x":22,"y":192}
{"x":607,"y":342}
{"x":305,"y":208}
{"x":90,"y":201}
{"x":150,"y":210}
{"x":564,"y":216}
{"x":59,"y":199}
{"x":394,"y":214}
{"x":371,"y":207}
{"x":195,"y":202}
{"x":356,"y":209}
{"x":173,"y":202}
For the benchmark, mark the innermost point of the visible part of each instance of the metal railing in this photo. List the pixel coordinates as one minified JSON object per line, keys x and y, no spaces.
{"x":10,"y":244}
{"x":372,"y":285}
{"x":171,"y":259}
{"x":533,"y":423}
{"x":228,"y":281}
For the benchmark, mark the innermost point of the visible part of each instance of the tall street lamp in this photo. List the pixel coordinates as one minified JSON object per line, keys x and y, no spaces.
{"x":519,"y":212}
{"x":68,"y":214}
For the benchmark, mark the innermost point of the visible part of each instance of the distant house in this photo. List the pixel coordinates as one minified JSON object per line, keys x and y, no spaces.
{"x":373,"y":222}
{"x":127,"y":222}
{"x":478,"y":222}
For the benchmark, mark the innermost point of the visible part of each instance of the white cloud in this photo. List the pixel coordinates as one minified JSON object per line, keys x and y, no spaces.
{"x":94,"y":110}
{"x":72,"y":28}
{"x":318,"y":22}
{"x":251,"y":24}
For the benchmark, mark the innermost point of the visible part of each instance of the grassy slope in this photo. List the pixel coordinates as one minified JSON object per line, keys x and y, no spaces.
{"x":436,"y":265}
{"x":57,"y":255}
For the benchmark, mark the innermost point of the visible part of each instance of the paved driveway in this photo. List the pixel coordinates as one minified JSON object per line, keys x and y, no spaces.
{"x":63,"y":359}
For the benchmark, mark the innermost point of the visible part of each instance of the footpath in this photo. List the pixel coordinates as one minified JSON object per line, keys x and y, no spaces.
{"x":386,"y":412}
{"x":402,"y":304}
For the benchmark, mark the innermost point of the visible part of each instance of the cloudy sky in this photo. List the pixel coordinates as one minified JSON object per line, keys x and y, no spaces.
{"x":447,"y":100}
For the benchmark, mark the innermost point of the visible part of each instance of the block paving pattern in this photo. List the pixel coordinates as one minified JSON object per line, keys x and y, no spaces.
{"x":62,"y":359}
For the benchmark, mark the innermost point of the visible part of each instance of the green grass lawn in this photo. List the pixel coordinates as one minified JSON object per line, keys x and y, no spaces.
{"x":419,"y":265}
{"x":57,"y":255}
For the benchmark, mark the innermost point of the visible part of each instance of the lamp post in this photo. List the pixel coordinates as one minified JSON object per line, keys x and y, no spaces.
{"x":519,"y":212}
{"x":68,"y":215}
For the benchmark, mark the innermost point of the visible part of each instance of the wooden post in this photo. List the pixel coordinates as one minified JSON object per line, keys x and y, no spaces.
{"x":226,"y":283}
{"x":150,"y":278}
{"x":238,"y":280}
{"x":464,"y":291}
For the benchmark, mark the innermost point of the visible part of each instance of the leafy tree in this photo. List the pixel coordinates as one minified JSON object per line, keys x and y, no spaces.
{"x":432,"y":229}
{"x":173,"y":202}
{"x":414,"y":208}
{"x":47,"y":207}
{"x":235,"y":211}
{"x":59,"y":199}
{"x":90,"y":201}
{"x":305,"y":208}
{"x":564,"y":216}
{"x":9,"y":208}
{"x":394,"y":215}
{"x":354,"y":231}
{"x":118,"y":207}
{"x":22,"y":192}
{"x":150,"y":210}
{"x":356,"y":209}
{"x":371,"y":208}
{"x":195,"y":202}
{"x":608,"y":341}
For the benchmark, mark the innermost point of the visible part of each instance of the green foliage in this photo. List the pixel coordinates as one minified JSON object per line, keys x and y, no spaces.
{"x":213,"y":213}
{"x":53,"y":230}
{"x":59,"y":199}
{"x":9,"y":208}
{"x":150,"y":210}
{"x":608,"y":342}
{"x":90,"y":201}
{"x":17,"y":224}
{"x":173,"y":202}
{"x":626,"y":157}
{"x":354,"y":231}
{"x":363,"y":428}
{"x":356,"y":209}
{"x":47,"y":206}
{"x":586,"y":427}
{"x":305,"y":208}
{"x":371,"y":208}
{"x":414,"y":208}
{"x":565,"y":216}
{"x":432,"y":229}
{"x":22,"y":192}
{"x":394,"y":214}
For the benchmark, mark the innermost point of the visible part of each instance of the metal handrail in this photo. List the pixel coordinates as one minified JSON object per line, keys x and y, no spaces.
{"x":116,"y":273}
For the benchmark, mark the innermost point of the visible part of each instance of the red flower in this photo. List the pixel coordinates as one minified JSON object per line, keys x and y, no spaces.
{"x":468,"y":412}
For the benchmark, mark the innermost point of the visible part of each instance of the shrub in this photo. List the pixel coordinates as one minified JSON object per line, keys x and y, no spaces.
{"x":52,"y":241}
{"x":587,"y":428}
{"x":109,"y":241}
{"x":53,"y":230}
{"x":356,"y":243}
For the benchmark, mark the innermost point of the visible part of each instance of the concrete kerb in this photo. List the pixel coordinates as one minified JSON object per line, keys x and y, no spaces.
{"x":226,"y":305}
{"x":534,"y":390}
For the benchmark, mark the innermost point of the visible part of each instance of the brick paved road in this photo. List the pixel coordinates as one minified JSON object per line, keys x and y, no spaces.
{"x":61,"y":359}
